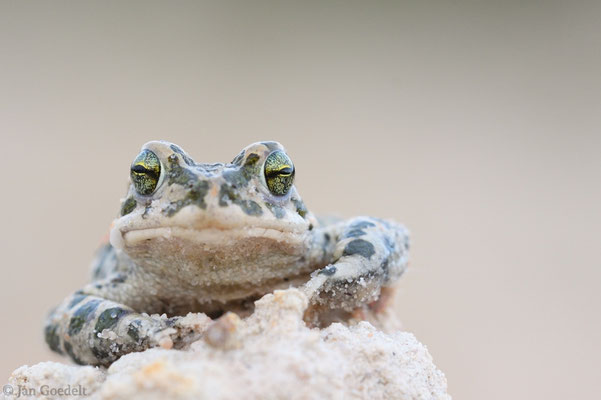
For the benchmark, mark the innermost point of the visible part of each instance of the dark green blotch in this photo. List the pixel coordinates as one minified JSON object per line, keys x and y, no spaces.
{"x":69,"y":350}
{"x":251,"y":160}
{"x":238,"y":159}
{"x":236,"y":177}
{"x":109,"y":318}
{"x":353,"y":233}
{"x":128,"y":205}
{"x":52,"y":338}
{"x":328,"y":271}
{"x":133,"y":330}
{"x":185,"y":157}
{"x":250,"y":207}
{"x":300,"y":207}
{"x":105,"y":350}
{"x":77,"y":298}
{"x":177,"y":174}
{"x":81,"y":316}
{"x":385,"y":269}
{"x":147,"y":209}
{"x":227,"y":194}
{"x":99,"y":352}
{"x":119,"y":278}
{"x":195,"y":195}
{"x":356,"y":229}
{"x":239,"y":177}
{"x":278,"y":211}
{"x":360,"y":247}
{"x":362,"y":225}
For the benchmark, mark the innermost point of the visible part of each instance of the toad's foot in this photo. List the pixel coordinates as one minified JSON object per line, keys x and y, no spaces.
{"x":369,"y":254}
{"x":97,"y":331}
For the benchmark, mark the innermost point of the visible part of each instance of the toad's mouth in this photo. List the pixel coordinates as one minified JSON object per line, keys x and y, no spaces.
{"x":208,"y":236}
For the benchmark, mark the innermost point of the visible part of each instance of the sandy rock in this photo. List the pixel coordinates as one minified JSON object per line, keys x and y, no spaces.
{"x":269,"y":355}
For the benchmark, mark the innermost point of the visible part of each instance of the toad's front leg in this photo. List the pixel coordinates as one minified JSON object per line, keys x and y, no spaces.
{"x":368,"y":254}
{"x":95,"y":330}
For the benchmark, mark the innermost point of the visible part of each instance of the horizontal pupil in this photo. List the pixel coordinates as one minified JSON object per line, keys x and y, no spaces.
{"x":283,"y":171}
{"x":140,"y":169}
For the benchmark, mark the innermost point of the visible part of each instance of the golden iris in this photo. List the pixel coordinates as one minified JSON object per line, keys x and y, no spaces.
{"x":279,"y":173}
{"x":145,"y":172}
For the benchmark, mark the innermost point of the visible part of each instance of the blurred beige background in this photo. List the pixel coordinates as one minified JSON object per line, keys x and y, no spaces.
{"x":476,"y":124}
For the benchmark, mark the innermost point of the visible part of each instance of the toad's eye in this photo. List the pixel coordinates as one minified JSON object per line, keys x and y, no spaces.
{"x":145,"y":172}
{"x":279,"y":173}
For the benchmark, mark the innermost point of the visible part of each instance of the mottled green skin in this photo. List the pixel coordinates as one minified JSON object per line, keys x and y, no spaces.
{"x":195,"y":237}
{"x":128,"y":205}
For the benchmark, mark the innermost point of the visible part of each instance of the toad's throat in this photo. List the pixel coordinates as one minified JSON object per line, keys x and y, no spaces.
{"x":217,"y":258}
